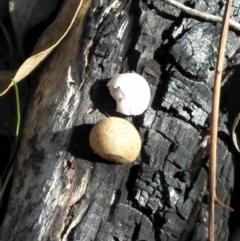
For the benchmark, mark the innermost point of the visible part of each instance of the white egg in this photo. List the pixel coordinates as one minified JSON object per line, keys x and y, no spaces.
{"x":131,"y":92}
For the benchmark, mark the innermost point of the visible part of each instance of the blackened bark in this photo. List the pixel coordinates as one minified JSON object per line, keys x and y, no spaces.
{"x":63,"y":191}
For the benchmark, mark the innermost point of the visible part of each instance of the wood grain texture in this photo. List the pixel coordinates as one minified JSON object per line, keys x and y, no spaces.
{"x":63,"y":191}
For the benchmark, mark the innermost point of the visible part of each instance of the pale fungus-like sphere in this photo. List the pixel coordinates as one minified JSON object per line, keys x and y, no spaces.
{"x":131,"y":92}
{"x":115,"y":139}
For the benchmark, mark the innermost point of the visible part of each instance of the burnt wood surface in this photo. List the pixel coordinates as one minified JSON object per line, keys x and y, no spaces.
{"x":63,"y":191}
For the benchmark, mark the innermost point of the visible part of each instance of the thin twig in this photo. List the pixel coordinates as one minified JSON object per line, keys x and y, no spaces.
{"x":205,"y":16}
{"x":226,"y":22}
{"x":214,"y":121}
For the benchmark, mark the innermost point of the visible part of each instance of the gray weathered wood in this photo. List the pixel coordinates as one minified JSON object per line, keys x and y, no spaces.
{"x":63,"y":191}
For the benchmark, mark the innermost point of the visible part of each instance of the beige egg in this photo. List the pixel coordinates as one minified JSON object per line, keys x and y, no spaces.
{"x":115,"y":139}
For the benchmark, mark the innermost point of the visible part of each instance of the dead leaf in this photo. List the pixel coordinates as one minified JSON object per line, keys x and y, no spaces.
{"x":53,"y":35}
{"x":5,"y":79}
{"x":235,"y":138}
{"x":27,"y":13}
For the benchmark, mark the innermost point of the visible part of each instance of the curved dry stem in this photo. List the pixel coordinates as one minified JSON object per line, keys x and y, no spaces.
{"x":214,"y":119}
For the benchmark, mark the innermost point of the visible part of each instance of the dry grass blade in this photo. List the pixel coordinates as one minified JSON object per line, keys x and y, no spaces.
{"x":214,"y":121}
{"x":49,"y":40}
{"x":235,"y":139}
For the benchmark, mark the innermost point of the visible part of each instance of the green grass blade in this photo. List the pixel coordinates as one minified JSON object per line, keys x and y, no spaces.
{"x":10,"y":172}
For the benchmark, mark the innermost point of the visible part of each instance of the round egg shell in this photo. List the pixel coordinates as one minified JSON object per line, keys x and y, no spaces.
{"x":115,"y":139}
{"x":132,"y":93}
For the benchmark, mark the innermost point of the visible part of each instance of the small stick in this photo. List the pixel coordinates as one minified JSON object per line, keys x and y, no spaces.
{"x":226,"y":22}
{"x":214,"y":122}
{"x":206,"y":16}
